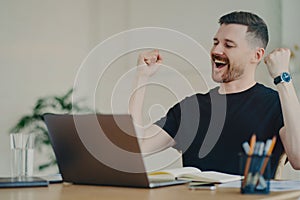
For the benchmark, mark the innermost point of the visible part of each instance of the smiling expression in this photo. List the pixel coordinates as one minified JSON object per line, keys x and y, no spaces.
{"x":231,"y":53}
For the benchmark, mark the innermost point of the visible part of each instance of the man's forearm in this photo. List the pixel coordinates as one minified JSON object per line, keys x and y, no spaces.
{"x":291,"y":114}
{"x":137,"y":99}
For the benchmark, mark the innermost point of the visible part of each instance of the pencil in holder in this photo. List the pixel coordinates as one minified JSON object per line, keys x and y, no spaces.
{"x":257,"y":173}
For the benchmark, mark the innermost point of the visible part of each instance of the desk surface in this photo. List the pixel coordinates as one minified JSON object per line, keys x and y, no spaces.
{"x":84,"y":192}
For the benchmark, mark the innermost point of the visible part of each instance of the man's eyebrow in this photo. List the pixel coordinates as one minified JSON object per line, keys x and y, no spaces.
{"x":226,"y":40}
{"x":231,"y":41}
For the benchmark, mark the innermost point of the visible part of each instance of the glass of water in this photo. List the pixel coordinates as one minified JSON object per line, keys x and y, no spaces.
{"x":22,"y":148}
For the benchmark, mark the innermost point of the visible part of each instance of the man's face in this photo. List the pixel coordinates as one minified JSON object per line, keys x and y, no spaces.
{"x":230,"y":53}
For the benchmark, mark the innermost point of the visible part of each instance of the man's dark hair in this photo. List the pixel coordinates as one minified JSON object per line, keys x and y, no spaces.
{"x":257,"y":28}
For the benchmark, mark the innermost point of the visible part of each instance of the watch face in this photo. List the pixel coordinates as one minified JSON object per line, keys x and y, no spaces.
{"x":285,"y":77}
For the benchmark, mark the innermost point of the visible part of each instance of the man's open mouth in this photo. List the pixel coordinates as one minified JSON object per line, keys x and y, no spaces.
{"x":220,"y":62}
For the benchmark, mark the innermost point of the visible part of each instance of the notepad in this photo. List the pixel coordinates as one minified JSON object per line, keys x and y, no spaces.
{"x":195,"y":174}
{"x":22,"y":182}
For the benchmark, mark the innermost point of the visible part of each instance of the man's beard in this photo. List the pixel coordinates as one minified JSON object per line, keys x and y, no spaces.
{"x":231,"y":74}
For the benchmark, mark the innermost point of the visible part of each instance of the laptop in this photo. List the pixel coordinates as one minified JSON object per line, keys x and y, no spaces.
{"x":99,"y":149}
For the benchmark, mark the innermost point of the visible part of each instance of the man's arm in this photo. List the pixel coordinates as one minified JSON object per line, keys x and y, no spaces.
{"x":153,"y":138}
{"x":278,"y":62}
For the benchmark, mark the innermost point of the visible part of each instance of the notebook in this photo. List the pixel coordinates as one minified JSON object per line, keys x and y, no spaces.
{"x":99,"y":149}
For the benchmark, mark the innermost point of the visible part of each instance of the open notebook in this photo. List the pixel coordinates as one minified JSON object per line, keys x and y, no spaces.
{"x":99,"y":149}
{"x":196,"y":175}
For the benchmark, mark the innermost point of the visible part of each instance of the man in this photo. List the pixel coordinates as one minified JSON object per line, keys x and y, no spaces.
{"x":229,"y":114}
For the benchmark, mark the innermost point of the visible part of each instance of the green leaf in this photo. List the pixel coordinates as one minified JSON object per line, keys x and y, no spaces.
{"x":34,"y":122}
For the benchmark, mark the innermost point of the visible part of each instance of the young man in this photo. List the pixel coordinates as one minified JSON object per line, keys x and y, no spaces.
{"x":210,"y":128}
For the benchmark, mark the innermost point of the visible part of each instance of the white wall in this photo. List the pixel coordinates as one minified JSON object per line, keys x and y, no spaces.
{"x":43,"y":43}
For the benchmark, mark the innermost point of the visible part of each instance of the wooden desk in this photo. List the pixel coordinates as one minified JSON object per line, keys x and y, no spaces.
{"x":84,"y":192}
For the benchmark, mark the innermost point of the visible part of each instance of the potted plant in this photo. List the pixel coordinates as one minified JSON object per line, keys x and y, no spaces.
{"x":33,"y":122}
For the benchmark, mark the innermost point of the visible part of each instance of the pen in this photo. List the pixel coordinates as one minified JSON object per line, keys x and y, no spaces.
{"x":248,"y":162}
{"x":201,"y":186}
{"x":254,"y":167}
{"x":258,"y":163}
{"x":246,"y":147}
{"x":262,"y":170}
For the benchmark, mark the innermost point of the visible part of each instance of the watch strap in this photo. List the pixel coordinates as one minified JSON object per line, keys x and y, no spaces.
{"x":277,"y":79}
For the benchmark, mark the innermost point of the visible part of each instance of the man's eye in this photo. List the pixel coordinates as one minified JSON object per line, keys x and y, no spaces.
{"x":228,"y":45}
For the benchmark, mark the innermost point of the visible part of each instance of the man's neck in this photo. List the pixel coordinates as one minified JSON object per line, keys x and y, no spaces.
{"x":235,"y":86}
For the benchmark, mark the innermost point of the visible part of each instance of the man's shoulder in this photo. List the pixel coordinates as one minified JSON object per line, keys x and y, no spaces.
{"x":200,"y":95}
{"x":193,"y":100}
{"x":264,"y":90}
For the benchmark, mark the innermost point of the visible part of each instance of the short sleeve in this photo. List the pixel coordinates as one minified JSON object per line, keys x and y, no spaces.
{"x":182,"y":122}
{"x":171,"y":121}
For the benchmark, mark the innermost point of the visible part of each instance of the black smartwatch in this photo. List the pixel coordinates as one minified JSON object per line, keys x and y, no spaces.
{"x":283,"y":77}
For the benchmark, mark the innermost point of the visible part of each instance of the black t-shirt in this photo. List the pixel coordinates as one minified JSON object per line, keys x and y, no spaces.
{"x":210,"y":128}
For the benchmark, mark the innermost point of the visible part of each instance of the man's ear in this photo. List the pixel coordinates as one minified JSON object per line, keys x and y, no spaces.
{"x":258,"y":55}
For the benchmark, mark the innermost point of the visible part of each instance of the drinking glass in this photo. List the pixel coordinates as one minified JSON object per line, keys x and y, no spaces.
{"x":22,"y":149}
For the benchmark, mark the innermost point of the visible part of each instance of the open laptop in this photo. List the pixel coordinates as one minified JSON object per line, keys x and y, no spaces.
{"x":99,"y":149}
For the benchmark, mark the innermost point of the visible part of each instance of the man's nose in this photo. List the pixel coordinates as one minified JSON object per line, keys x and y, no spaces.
{"x":217,"y":49}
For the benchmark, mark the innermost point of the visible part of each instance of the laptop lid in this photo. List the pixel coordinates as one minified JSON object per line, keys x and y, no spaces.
{"x":97,"y":149}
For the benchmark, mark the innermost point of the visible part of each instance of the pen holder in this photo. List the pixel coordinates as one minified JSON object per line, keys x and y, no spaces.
{"x":257,"y":172}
